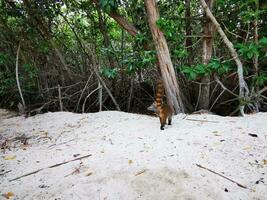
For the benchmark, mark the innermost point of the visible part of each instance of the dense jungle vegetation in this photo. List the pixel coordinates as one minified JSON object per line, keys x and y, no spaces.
{"x":91,"y":55}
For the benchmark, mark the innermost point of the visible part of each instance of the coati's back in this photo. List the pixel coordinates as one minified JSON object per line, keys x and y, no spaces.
{"x":164,"y":110}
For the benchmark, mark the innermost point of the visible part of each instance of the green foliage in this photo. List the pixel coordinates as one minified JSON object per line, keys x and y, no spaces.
{"x":261,"y":79}
{"x":263,"y":42}
{"x":44,"y":47}
{"x":149,"y":57}
{"x":199,"y":70}
{"x":108,"y":5}
{"x":215,"y":65}
{"x":31,"y":70}
{"x":138,"y":61}
{"x":4,"y":58}
{"x":167,"y":26}
{"x":131,"y":64}
{"x":263,"y":45}
{"x":141,"y":39}
{"x":248,"y":50}
{"x":180,"y":53}
{"x":190,"y":72}
{"x":7,"y":81}
{"x":108,"y":72}
{"x":29,"y":78}
{"x":170,"y":28}
{"x":193,"y":72}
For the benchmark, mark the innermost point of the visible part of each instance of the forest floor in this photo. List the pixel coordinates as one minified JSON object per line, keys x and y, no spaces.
{"x":121,"y":156}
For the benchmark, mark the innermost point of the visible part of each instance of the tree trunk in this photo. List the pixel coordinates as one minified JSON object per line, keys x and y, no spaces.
{"x":243,"y":89}
{"x":164,"y":59}
{"x":206,"y":56}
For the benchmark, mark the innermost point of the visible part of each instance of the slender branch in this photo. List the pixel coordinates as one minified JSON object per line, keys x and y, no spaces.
{"x":217,"y":99}
{"x":17,"y":77}
{"x":77,"y":106}
{"x":263,"y":90}
{"x":130,"y":96}
{"x":89,"y":96}
{"x":199,"y":94}
{"x":100,"y":96}
{"x":49,"y":167}
{"x":223,"y":86}
{"x":199,"y":120}
{"x":60,"y":98}
{"x":238,"y":184}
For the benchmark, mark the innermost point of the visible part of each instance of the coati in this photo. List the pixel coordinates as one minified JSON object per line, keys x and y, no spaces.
{"x":163,"y":110}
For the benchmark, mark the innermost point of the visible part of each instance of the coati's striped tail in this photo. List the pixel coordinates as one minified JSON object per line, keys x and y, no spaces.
{"x":164,"y":110}
{"x":159,"y":95}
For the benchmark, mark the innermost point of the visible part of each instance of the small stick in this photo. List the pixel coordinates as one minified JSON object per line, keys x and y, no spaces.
{"x":198,"y":120}
{"x":140,"y":172}
{"x":238,"y":184}
{"x":60,"y":143}
{"x":5,"y":172}
{"x":52,"y":166}
{"x":60,"y":98}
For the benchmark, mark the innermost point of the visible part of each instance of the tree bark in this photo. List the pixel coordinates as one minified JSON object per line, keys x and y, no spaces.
{"x":243,"y":89}
{"x":206,"y":56}
{"x":164,"y":59}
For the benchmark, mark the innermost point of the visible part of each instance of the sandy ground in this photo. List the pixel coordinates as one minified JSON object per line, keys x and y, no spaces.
{"x":129,"y":157}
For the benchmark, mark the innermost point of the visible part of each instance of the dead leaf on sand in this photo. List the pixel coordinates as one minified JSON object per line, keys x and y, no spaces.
{"x":8,"y":195}
{"x":10,"y":157}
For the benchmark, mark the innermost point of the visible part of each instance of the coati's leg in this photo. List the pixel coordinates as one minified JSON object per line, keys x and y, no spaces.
{"x":170,"y":121}
{"x":162,"y":122}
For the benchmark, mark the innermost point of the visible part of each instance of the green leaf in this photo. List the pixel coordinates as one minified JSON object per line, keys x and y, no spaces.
{"x":263,"y":41}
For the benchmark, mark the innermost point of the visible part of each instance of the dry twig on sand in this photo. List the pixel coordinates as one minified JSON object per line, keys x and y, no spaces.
{"x":49,"y":167}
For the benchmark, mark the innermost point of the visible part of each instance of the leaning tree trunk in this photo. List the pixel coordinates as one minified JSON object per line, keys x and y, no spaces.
{"x":243,"y":89}
{"x":206,"y":56}
{"x":164,"y":59}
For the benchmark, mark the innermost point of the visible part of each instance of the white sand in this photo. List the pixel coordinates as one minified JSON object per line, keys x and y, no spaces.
{"x":133,"y":159}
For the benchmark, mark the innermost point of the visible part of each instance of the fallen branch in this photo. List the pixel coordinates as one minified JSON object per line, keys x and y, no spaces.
{"x":199,"y":120}
{"x":61,"y":142}
{"x":5,"y":172}
{"x":49,"y":167}
{"x":238,"y":184}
